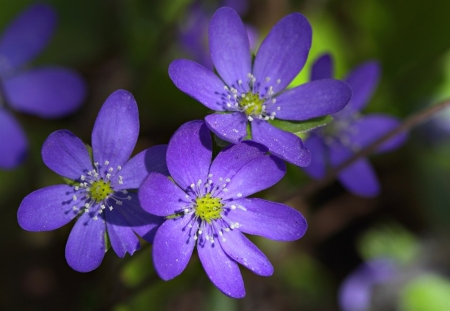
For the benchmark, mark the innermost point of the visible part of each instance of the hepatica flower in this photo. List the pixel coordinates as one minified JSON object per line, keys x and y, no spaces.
{"x":48,"y":92}
{"x":206,"y":205}
{"x":253,"y":95}
{"x":102,"y":193}
{"x":349,"y":132}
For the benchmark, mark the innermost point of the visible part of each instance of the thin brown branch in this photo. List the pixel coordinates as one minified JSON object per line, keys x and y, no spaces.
{"x":408,"y":124}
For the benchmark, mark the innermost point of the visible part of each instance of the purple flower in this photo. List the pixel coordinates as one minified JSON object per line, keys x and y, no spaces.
{"x":356,"y":290}
{"x":350,"y":132}
{"x":48,"y":92}
{"x":252,"y":95}
{"x":100,"y":193}
{"x":206,"y":204}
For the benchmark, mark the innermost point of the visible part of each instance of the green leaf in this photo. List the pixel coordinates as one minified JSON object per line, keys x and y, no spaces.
{"x":298,"y":127}
{"x":426,"y":293}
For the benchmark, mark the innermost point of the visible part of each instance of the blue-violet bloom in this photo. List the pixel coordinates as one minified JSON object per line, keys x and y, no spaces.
{"x":355,"y":292}
{"x":100,"y":193}
{"x":349,"y":132}
{"x":48,"y":92}
{"x":252,"y":95}
{"x":206,"y":204}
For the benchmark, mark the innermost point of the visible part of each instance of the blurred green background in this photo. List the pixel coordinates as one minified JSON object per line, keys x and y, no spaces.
{"x":128,"y":44}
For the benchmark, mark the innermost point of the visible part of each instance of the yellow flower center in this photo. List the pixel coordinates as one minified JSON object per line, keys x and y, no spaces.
{"x":252,"y":104}
{"x":208,"y":208}
{"x":100,"y":190}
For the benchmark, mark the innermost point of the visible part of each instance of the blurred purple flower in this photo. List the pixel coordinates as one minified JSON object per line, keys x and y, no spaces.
{"x":206,"y":204}
{"x":251,"y":95}
{"x":48,"y":92}
{"x":349,"y":132}
{"x":99,"y":192}
{"x":355,"y":292}
{"x":194,"y":30}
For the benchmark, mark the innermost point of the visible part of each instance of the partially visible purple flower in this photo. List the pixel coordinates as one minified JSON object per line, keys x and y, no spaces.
{"x":355,"y":292}
{"x":252,"y":94}
{"x":206,"y":205}
{"x":48,"y":92}
{"x":194,"y":30}
{"x":100,"y":193}
{"x":349,"y":132}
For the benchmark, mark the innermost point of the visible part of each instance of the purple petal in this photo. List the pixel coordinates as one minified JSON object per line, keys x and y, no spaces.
{"x":363,"y":81}
{"x":13,"y":141}
{"x":143,"y":223}
{"x":256,"y":175}
{"x":199,"y":83}
{"x":115,"y":131}
{"x":311,"y":100}
{"x":231,"y":159}
{"x":173,"y":246}
{"x":284,"y":51}
{"x":66,"y":154}
{"x":85,"y":247}
{"x":317,"y":168}
{"x":121,"y":236}
{"x":47,"y":208}
{"x":322,"y":68}
{"x":27,"y":35}
{"x":367,"y":129}
{"x":189,"y":153}
{"x":271,"y":220}
{"x":230,"y":127}
{"x":240,"y":249}
{"x":285,"y":145}
{"x":359,"y":178}
{"x":134,"y":171}
{"x":48,"y":92}
{"x":160,"y":196}
{"x":229,"y":46}
{"x":221,"y":269}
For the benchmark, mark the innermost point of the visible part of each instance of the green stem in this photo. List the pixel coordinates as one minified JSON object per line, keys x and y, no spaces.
{"x":405,"y":126}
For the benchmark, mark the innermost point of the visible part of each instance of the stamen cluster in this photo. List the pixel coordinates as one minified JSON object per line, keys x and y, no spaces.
{"x":94,"y":191}
{"x":253,"y":98}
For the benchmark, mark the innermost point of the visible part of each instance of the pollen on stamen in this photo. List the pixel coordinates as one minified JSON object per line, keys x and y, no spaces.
{"x":74,"y":197}
{"x":110,"y":208}
{"x":119,"y":167}
{"x":233,"y":206}
{"x":239,"y":195}
{"x":267,"y":79}
{"x":76,"y":187}
{"x":110,"y":169}
{"x":106,"y":162}
{"x":192,"y":186}
{"x":279,"y":81}
{"x":75,"y":208}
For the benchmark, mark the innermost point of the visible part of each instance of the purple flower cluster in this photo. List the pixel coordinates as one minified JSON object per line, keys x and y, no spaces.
{"x":99,"y":194}
{"x":206,"y":205}
{"x":247,"y":96}
{"x":177,"y":196}
{"x":48,"y":92}
{"x":350,"y":131}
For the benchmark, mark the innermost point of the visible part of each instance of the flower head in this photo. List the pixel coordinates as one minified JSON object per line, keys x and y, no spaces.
{"x":48,"y":92}
{"x":253,"y":94}
{"x":99,"y":194}
{"x":349,"y":132}
{"x":206,"y":205}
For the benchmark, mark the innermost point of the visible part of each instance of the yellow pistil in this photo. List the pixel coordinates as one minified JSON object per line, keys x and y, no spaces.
{"x":252,"y":104}
{"x":208,"y":208}
{"x":100,"y":190}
